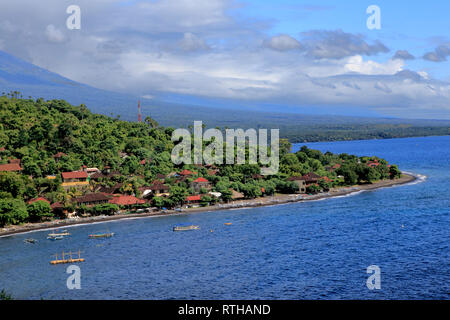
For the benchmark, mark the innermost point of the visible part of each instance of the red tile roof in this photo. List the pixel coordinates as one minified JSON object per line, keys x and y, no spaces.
{"x":145,"y":161}
{"x":93,"y":197}
{"x":194,"y":198}
{"x":212,"y":172}
{"x":74,"y":175}
{"x":14,"y":161}
{"x":38,"y":199}
{"x":10,"y":167}
{"x":126,"y":200}
{"x":56,"y":205}
{"x":296,"y":178}
{"x":59,"y":155}
{"x":311,"y":177}
{"x":201,"y":179}
{"x":186,"y":172}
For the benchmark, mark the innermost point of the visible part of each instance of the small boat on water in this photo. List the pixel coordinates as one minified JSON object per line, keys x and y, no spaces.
{"x":185,"y":228}
{"x":30,"y":240}
{"x":228,"y":223}
{"x":53,"y":237}
{"x":63,"y":233}
{"x":101,"y":235}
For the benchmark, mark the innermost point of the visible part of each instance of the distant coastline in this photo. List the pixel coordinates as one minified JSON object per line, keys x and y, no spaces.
{"x":240,"y":204}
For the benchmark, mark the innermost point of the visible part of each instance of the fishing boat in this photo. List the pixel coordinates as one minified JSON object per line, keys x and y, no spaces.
{"x":54,"y":237}
{"x":101,"y":235}
{"x":63,"y":233}
{"x":30,"y":240}
{"x":185,"y":228}
{"x":228,"y":223}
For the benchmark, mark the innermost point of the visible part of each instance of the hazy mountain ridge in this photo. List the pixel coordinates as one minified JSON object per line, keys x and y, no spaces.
{"x":31,"y":80}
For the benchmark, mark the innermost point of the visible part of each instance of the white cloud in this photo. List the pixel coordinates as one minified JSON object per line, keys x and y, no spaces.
{"x":358,"y":65}
{"x":53,"y":34}
{"x":135,"y":47}
{"x":191,"y":42}
{"x":282,"y":42}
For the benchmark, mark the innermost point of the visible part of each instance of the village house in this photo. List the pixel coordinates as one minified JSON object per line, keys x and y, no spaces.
{"x":216,"y":195}
{"x":373,"y":164}
{"x":10,"y":167}
{"x":74,"y":179}
{"x":126,"y":201}
{"x":59,"y":210}
{"x":193,"y":200}
{"x":213,"y":172}
{"x":115,"y":189}
{"x":38,"y":199}
{"x":300,"y":181}
{"x":92,"y":199}
{"x":105,"y":173}
{"x":236,"y":195}
{"x":90,"y":171}
{"x":145,"y":161}
{"x":157,"y":189}
{"x":311,"y":178}
{"x":186,"y":173}
{"x":200,"y":183}
{"x":58,"y":156}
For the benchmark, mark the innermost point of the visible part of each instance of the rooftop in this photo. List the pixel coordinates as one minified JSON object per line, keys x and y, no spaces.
{"x":74,"y":175}
{"x":126,"y":200}
{"x":10,"y":167}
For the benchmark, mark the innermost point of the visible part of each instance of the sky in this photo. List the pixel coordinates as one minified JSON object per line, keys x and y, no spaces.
{"x":286,"y":55}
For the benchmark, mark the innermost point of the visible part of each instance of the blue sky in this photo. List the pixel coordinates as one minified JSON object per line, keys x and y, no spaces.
{"x":285,"y":55}
{"x":408,"y":25}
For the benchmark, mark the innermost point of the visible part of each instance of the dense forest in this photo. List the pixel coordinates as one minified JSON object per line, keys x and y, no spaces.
{"x":34,"y":132}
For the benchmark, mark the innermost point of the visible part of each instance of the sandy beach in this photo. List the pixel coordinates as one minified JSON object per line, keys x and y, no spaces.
{"x":250,"y":203}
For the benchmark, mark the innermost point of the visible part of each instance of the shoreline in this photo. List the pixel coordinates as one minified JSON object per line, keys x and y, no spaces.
{"x":239,"y":204}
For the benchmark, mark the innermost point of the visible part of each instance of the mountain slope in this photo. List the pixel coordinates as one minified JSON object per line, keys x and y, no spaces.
{"x":31,"y":80}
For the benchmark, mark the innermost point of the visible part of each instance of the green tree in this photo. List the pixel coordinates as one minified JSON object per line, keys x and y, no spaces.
{"x":39,"y":210}
{"x":105,"y":209}
{"x":178,"y":195}
{"x":313,"y":189}
{"x":12,"y":211}
{"x":205,"y":200}
{"x":395,"y":172}
{"x":5,"y":296}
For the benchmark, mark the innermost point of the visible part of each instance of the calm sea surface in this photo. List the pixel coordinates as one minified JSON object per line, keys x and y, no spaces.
{"x":311,"y":250}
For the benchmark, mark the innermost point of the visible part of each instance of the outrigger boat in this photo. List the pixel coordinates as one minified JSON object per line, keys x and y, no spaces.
{"x":58,"y":236}
{"x":55,"y":237}
{"x":63,"y":233}
{"x":64,"y":260}
{"x":101,"y":235}
{"x":185,"y":228}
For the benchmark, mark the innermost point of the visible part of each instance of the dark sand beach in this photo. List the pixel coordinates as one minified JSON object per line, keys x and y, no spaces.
{"x":240,"y":204}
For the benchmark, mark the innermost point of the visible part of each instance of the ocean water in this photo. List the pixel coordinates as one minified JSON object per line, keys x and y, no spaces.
{"x":310,"y":250}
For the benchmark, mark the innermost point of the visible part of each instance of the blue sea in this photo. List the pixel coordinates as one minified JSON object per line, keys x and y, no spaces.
{"x":310,"y":250}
